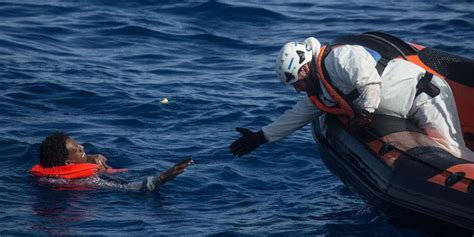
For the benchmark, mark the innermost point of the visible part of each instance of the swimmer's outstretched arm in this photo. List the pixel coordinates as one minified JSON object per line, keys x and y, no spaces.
{"x":152,"y":183}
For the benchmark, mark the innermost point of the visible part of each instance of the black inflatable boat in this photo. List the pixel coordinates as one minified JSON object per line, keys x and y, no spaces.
{"x":393,"y":164}
{"x":397,"y":168}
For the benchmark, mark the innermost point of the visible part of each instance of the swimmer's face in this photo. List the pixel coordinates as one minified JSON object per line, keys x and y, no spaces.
{"x":76,"y":152}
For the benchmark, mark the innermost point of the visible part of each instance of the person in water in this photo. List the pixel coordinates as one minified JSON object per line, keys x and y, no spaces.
{"x":64,"y":161}
{"x":358,"y":82}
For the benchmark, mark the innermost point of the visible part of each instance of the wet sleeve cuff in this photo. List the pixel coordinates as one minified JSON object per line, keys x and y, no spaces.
{"x":151,"y":183}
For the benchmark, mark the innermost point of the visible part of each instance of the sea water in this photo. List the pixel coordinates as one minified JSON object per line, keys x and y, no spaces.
{"x":98,"y":70}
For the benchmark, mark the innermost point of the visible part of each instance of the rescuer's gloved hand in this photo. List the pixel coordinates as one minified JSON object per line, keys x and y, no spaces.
{"x":363,"y":119}
{"x":248,"y":142}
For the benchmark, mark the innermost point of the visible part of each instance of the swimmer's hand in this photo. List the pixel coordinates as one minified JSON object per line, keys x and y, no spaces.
{"x":99,"y":159}
{"x":152,"y":183}
{"x":175,"y":170}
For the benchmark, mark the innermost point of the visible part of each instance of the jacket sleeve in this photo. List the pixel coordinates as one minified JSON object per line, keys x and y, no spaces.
{"x":298,"y":116}
{"x":352,"y":67}
{"x":149,"y":184}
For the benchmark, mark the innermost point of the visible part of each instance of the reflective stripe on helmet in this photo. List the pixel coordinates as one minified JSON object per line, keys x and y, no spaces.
{"x":292,"y":57}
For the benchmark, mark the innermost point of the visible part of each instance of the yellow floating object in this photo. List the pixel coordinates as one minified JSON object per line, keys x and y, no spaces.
{"x":164,"y":101}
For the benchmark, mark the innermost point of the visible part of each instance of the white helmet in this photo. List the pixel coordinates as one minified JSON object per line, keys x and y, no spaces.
{"x":293,"y":56}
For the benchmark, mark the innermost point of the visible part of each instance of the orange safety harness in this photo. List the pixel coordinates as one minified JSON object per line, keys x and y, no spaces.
{"x":344,"y":108}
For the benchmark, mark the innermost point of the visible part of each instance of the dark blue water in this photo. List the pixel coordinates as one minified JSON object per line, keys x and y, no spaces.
{"x":97,"y":70}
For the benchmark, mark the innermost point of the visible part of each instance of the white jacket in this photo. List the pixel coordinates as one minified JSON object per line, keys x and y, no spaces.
{"x":350,"y":67}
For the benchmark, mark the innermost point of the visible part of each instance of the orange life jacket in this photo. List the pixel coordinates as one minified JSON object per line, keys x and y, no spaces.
{"x":75,"y":171}
{"x":344,"y":109}
{"x":456,"y":70}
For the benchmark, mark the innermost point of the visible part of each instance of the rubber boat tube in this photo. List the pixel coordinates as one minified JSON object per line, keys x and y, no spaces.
{"x":401,"y":171}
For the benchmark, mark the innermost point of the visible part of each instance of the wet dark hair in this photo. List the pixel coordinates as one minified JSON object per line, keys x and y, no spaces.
{"x":53,"y":151}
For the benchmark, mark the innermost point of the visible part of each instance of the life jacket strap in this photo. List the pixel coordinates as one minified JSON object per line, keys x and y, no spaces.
{"x":381,"y":65}
{"x":343,"y":107}
{"x":351,"y":96}
{"x":425,"y":85}
{"x":380,"y":60}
